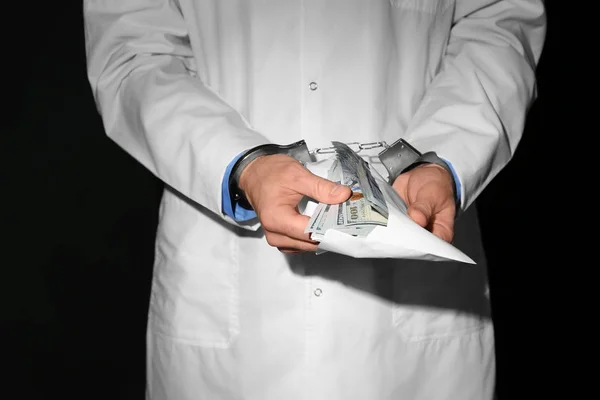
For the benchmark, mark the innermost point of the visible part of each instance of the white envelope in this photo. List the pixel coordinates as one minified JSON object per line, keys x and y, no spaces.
{"x":401,"y":238}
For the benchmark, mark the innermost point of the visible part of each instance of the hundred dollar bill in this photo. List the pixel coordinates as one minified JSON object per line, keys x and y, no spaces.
{"x":355,"y":230}
{"x":333,"y":174}
{"x":358,"y":211}
{"x":356,"y":173}
{"x":362,"y":212}
{"x":315,"y":218}
{"x":328,"y":221}
{"x":354,"y":217}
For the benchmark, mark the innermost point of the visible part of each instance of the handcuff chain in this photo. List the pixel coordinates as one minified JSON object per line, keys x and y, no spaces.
{"x":359,"y":146}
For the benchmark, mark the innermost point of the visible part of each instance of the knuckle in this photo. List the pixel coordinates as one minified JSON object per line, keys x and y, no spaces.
{"x":288,"y":250}
{"x":319,"y":186}
{"x":268,"y":222}
{"x":292,"y":176}
{"x":294,"y":170}
{"x":272,"y":240}
{"x":291,"y":165}
{"x":308,"y":247}
{"x":288,"y":229}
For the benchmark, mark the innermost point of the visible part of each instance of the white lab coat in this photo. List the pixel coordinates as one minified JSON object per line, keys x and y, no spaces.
{"x":186,"y":85}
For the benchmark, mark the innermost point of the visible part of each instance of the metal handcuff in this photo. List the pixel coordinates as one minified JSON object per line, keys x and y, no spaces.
{"x":397,"y":158}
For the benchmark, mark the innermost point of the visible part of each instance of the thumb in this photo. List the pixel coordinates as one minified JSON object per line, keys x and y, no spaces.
{"x":326,"y":191}
{"x":420,"y":212}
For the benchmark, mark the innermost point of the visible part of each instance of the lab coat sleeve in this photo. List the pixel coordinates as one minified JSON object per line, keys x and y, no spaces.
{"x":232,"y":208}
{"x":142,"y":75}
{"x":473,"y":113}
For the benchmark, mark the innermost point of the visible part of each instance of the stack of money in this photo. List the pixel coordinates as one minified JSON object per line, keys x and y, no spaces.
{"x":363,"y":211}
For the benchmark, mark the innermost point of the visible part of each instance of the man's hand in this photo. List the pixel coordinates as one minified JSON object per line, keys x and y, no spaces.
{"x":427,"y":190}
{"x":274,"y":185}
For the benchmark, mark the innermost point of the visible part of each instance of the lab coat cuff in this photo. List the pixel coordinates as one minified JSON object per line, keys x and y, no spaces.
{"x":217,"y":156}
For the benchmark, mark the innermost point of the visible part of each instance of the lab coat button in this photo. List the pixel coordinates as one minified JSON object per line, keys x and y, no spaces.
{"x":318,"y":292}
{"x":313,"y":86}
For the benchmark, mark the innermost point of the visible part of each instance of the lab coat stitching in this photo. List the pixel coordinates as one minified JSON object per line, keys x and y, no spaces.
{"x":234,"y":321}
{"x":233,"y":312}
{"x":192,"y":337}
{"x":158,"y":328}
{"x":308,"y":334}
{"x":221,"y":344}
{"x":434,"y":336}
{"x":308,"y":284}
{"x":302,"y":92}
{"x":426,"y":6}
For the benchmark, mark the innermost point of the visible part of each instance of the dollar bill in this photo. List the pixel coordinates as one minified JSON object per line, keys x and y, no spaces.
{"x":316,"y":222}
{"x":358,"y":211}
{"x":357,"y":231}
{"x":356,"y":173}
{"x":328,"y":221}
{"x":362,"y":212}
{"x":315,"y":218}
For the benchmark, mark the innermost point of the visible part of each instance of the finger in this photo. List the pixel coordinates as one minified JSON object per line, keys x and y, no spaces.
{"x":442,"y":224}
{"x":286,"y":221}
{"x":436,"y":224}
{"x":289,"y":244}
{"x":443,"y":231}
{"x":323,"y":190}
{"x":288,"y":250}
{"x":420,"y":213}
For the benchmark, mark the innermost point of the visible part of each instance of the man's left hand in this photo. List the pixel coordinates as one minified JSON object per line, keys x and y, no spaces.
{"x":427,"y":190}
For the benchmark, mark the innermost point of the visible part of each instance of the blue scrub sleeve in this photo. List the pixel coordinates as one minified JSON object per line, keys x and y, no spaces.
{"x":456,"y":181}
{"x":231,"y":208}
{"x":241,"y":214}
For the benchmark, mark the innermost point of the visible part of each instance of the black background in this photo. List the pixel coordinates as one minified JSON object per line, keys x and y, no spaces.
{"x":79,"y":216}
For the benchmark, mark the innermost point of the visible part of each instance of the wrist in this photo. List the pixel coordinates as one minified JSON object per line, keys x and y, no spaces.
{"x":297,"y":150}
{"x":431,"y":160}
{"x":444,"y":174}
{"x":246,"y":174}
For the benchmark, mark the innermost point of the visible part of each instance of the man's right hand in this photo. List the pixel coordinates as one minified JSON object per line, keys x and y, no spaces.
{"x":274,"y":185}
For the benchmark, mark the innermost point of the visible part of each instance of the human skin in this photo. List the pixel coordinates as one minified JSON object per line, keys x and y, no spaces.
{"x":275,"y":184}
